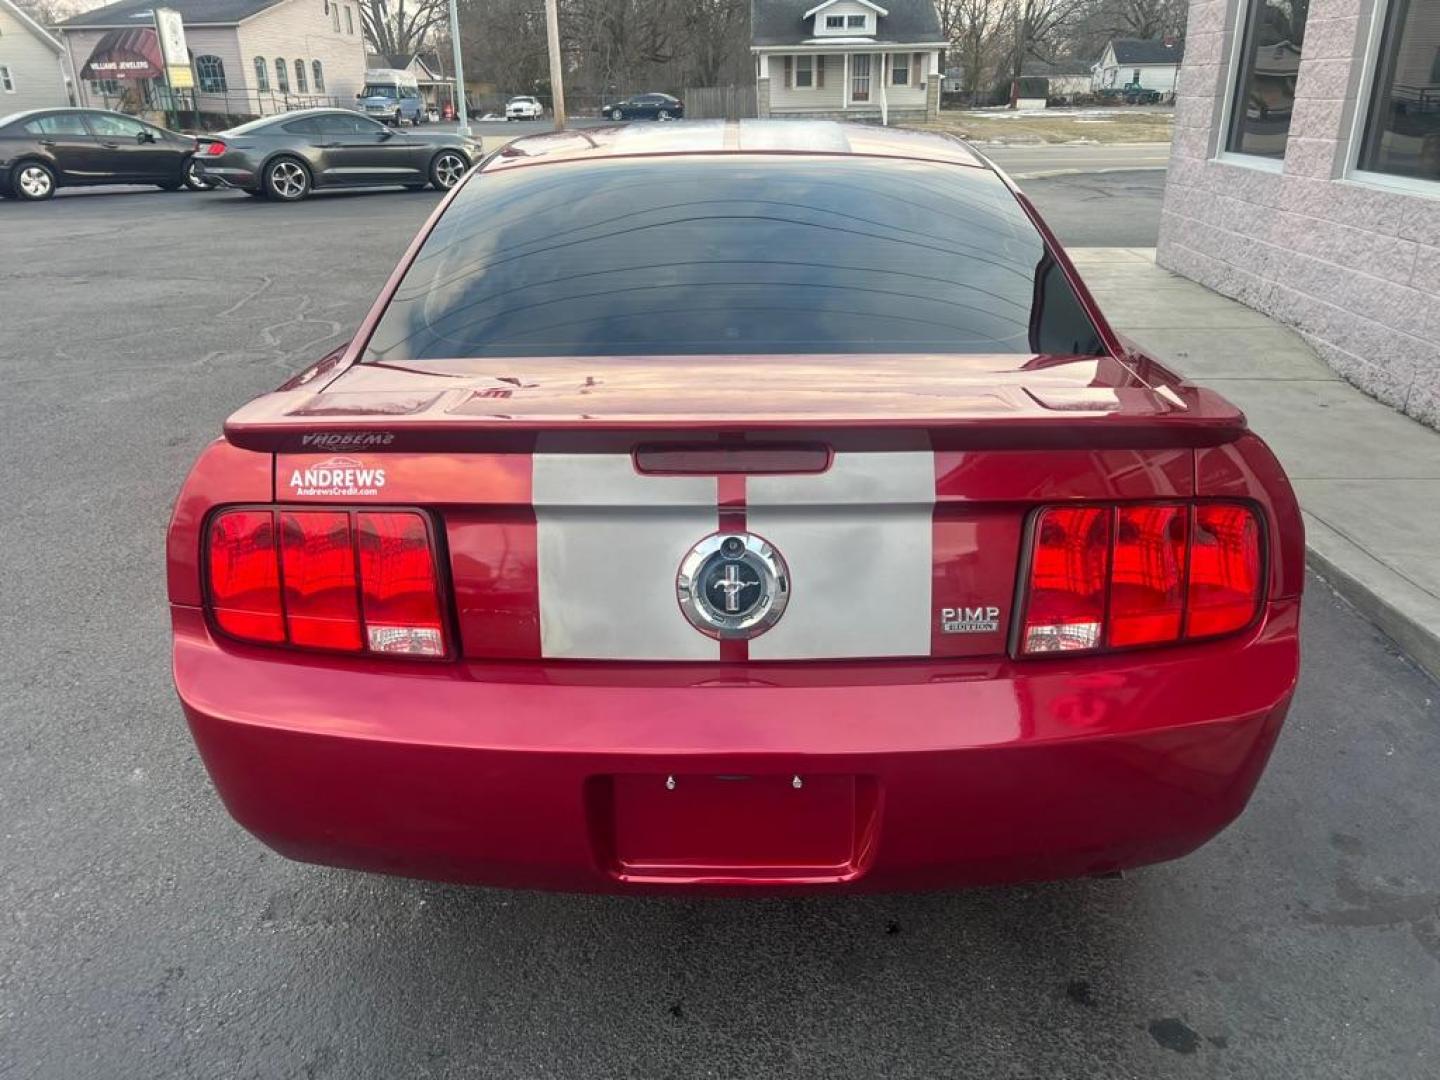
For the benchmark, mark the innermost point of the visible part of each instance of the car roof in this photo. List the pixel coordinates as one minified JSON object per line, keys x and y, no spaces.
{"x":60,"y":110}
{"x":318,"y":111}
{"x":744,"y":136}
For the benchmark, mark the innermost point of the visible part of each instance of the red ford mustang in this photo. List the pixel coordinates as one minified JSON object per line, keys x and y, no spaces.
{"x":718,"y":506}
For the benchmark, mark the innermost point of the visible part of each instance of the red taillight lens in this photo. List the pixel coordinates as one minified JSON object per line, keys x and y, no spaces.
{"x":1224,"y":570}
{"x":1140,"y":574}
{"x":1066,"y":608}
{"x":1147,"y":578}
{"x":347,"y":581}
{"x":322,"y":607}
{"x":402,"y":609}
{"x":245,"y":575}
{"x":215,"y":149}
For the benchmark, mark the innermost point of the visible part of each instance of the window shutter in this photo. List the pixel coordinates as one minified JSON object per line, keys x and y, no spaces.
{"x":819,"y":73}
{"x":789,"y":71}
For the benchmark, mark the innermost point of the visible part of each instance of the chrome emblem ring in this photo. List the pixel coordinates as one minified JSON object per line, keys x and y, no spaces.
{"x":733,"y":585}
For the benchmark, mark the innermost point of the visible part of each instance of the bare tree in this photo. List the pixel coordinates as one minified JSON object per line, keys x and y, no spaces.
{"x":50,"y":12}
{"x":978,"y":32}
{"x":399,"y":29}
{"x":1145,"y":19}
{"x":1040,"y":28}
{"x":715,"y":41}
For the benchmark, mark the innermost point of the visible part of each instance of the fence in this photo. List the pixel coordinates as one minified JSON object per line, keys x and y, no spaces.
{"x":720,"y":102}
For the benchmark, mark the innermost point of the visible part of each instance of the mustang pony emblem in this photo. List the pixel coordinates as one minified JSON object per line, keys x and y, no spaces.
{"x":733,"y":585}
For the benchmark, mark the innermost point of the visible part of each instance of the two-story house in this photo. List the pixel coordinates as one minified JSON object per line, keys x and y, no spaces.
{"x":847,"y":59}
{"x":32,"y":73}
{"x":249,"y":57}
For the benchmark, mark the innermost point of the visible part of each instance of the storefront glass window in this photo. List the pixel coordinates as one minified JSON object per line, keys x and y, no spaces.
{"x":1402,"y":132}
{"x":1274,"y":34}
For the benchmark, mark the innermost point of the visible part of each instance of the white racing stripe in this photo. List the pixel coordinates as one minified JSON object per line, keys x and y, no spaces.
{"x":858,"y":542}
{"x":609,"y":542}
{"x":857,"y":539}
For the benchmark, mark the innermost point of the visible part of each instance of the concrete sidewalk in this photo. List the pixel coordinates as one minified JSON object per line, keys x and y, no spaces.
{"x":1368,"y":478}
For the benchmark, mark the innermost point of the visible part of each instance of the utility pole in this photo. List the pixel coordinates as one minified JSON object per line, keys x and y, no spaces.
{"x":557,"y":76}
{"x":460,"y":113}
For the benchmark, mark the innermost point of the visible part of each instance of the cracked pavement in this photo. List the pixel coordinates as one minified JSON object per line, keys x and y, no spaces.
{"x":144,"y":935}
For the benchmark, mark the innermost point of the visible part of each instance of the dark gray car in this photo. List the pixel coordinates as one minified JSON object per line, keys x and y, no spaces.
{"x":286,"y":157}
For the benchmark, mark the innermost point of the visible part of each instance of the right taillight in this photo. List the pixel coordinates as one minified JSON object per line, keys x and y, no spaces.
{"x":1133,"y":574}
{"x":341,"y":580}
{"x":1224,"y":584}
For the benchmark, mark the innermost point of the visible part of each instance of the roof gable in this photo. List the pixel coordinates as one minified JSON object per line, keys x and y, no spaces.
{"x":831,"y":3}
{"x":786,"y":22}
{"x":35,"y":28}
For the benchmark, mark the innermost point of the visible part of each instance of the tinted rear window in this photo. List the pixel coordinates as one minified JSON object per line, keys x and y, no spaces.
{"x":732,"y":255}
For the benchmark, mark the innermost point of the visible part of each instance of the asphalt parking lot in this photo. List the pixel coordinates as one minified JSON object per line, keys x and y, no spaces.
{"x":146,"y":936}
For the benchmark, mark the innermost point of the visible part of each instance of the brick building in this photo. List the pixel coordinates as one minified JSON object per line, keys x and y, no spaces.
{"x":1305,"y":179}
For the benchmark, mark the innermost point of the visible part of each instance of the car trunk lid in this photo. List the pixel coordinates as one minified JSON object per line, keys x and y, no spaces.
{"x":894,"y":490}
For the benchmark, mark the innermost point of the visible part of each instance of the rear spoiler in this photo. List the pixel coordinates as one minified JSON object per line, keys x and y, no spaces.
{"x":489,"y":420}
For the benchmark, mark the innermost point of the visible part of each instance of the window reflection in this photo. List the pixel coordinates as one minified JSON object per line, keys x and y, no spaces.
{"x":733,"y":257}
{"x":1403,"y":132}
{"x":1265,"y":90}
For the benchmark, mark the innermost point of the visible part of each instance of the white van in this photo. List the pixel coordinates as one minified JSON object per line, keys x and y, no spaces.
{"x":392,"y":95}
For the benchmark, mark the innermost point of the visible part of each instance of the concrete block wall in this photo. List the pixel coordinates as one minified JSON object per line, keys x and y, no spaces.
{"x":1355,"y":268}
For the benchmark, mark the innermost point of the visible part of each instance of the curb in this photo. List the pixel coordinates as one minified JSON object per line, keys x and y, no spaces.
{"x":1404,"y":611}
{"x":1043,"y":174}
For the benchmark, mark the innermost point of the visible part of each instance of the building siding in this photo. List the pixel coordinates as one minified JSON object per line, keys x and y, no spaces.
{"x":1353,"y":266}
{"x":909,"y":100}
{"x":301,"y":29}
{"x":1161,"y":77}
{"x":829,"y":98}
{"x":35,"y":71}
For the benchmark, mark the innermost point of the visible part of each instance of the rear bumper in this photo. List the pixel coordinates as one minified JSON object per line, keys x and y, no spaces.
{"x":230,"y":176}
{"x":909,"y":775}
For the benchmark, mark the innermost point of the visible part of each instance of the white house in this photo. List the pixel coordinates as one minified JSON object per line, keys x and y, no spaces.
{"x":249,"y":57}
{"x":32,"y":72}
{"x":1152,"y":65}
{"x":847,"y":59}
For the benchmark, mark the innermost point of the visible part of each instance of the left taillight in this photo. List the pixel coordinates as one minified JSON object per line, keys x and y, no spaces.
{"x":213,"y":148}
{"x":1132,"y":574}
{"x":351,"y":581}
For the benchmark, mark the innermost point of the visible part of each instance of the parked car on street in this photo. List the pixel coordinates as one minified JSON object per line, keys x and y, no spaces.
{"x":392,"y":96}
{"x":46,"y":149}
{"x":645,"y":107}
{"x":286,"y":157}
{"x":524,"y":108}
{"x":758,"y":507}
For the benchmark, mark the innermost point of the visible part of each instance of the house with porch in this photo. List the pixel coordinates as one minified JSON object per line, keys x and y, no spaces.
{"x":847,"y":59}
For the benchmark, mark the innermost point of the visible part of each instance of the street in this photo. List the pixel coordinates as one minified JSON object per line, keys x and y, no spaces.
{"x":148,"y":936}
